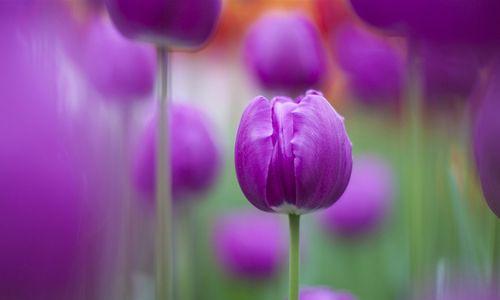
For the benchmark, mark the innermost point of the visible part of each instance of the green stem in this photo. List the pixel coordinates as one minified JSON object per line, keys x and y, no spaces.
{"x":294,"y":257}
{"x":163,"y":264}
{"x":495,"y":258}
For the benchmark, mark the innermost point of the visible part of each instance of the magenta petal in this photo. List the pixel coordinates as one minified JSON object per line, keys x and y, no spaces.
{"x":253,"y":151}
{"x":322,"y":152}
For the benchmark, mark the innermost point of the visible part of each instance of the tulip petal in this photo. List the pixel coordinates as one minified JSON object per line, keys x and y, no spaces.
{"x":322,"y":153}
{"x":253,"y":151}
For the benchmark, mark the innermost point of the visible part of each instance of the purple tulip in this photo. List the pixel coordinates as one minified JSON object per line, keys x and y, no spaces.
{"x":375,"y":69}
{"x":284,"y":52}
{"x":366,"y":201}
{"x":117,"y":68}
{"x":444,"y":21}
{"x":172,"y":23}
{"x":448,"y":72}
{"x":292,"y":156}
{"x":324,"y":293}
{"x":250,"y":245}
{"x":487,"y":143}
{"x":194,"y":154}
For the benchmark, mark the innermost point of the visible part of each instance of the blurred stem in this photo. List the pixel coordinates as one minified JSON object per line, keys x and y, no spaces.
{"x":414,"y":97}
{"x":164,"y":260}
{"x":495,"y":261}
{"x":294,"y":221}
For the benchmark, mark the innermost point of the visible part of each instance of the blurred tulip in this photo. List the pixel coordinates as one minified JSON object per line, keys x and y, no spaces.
{"x":116,"y":67}
{"x":292,"y":156}
{"x":195,"y":157}
{"x":330,"y":14}
{"x":443,"y":21}
{"x":487,"y":143}
{"x":375,"y":69}
{"x":170,"y":23}
{"x":324,"y":293}
{"x":283,"y":51}
{"x":366,"y":201}
{"x":250,"y":245}
{"x":449,"y":73}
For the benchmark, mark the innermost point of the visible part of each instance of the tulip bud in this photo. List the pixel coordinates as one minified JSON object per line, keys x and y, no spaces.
{"x":366,"y":201}
{"x":250,"y":245}
{"x":284,"y":52}
{"x":292,"y":156}
{"x":324,"y":293}
{"x":375,"y":69}
{"x":171,"y":23}
{"x":194,"y":154}
{"x":118,"y":68}
{"x":487,"y":143}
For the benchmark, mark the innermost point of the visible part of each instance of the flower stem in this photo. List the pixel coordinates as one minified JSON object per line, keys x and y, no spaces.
{"x":495,"y":259}
{"x":294,"y":221}
{"x":164,"y":251}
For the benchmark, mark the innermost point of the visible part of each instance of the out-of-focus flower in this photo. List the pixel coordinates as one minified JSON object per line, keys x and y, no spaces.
{"x":250,"y":245}
{"x":119,"y":69}
{"x":375,"y":69}
{"x":292,"y":156}
{"x":283,"y":51}
{"x":366,"y":201}
{"x":487,"y":143}
{"x":447,"y":21}
{"x":172,"y":23}
{"x":448,"y":73}
{"x":194,"y":154}
{"x":458,"y":286}
{"x":324,"y":293}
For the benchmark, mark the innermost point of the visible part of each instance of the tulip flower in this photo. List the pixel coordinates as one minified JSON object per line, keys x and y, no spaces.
{"x":375,"y":69}
{"x":486,"y":142}
{"x":366,"y":201}
{"x":119,"y":69}
{"x":451,"y":21}
{"x":171,"y":23}
{"x":293,"y":157}
{"x":250,"y":245}
{"x":283,"y":51}
{"x":194,"y":154}
{"x":448,"y":73}
{"x":324,"y":293}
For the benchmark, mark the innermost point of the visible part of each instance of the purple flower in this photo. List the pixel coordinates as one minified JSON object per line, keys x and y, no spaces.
{"x":444,"y":21}
{"x":172,"y":23}
{"x":375,"y":69}
{"x":324,"y":293}
{"x":366,"y":201}
{"x":250,"y":245}
{"x":116,"y":67}
{"x":194,"y":154}
{"x":284,"y":52}
{"x":448,"y":72}
{"x":487,"y":143}
{"x":292,"y":156}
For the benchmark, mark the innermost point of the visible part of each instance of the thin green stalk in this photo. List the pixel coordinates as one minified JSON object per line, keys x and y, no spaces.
{"x":495,"y":258}
{"x":163,"y":264}
{"x":294,"y":221}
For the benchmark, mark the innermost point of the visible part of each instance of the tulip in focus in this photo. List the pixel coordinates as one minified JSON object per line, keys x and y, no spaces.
{"x":284,"y":52}
{"x":195,"y":157}
{"x":486,"y":141}
{"x":366,"y":201}
{"x":292,"y":156}
{"x":375,"y":69}
{"x":170,"y":23}
{"x":250,"y":245}
{"x":324,"y":293}
{"x":119,"y":69}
